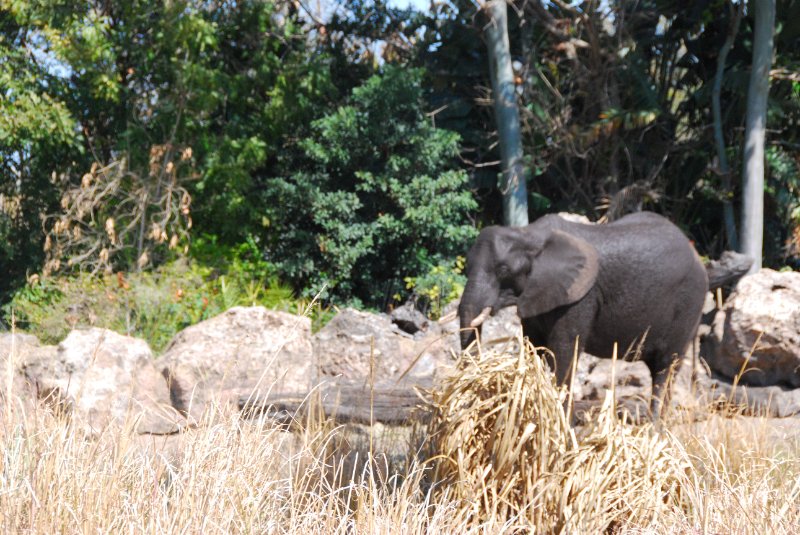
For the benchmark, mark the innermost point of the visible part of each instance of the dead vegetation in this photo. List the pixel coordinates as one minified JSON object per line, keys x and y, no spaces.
{"x":497,"y":456}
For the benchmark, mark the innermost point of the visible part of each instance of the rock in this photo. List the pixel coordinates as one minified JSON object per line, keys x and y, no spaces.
{"x":409,"y":319}
{"x":730,"y":267}
{"x":352,"y":339}
{"x":104,"y":378}
{"x":575,"y":218}
{"x":773,"y":401}
{"x":15,"y":349}
{"x":593,"y":378}
{"x":761,"y":316}
{"x":243,"y":351}
{"x":504,"y":324}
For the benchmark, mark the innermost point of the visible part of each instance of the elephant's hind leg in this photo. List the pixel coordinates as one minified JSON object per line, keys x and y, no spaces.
{"x":664,"y":366}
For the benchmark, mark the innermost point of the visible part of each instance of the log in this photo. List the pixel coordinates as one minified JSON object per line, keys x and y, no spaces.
{"x":730,"y":267}
{"x":346,"y":402}
{"x":388,"y":403}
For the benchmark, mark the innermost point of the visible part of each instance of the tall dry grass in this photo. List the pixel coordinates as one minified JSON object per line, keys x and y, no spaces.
{"x":499,"y":456}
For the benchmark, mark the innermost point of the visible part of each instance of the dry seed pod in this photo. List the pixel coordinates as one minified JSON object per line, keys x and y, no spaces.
{"x":143,"y":260}
{"x":112,"y":234}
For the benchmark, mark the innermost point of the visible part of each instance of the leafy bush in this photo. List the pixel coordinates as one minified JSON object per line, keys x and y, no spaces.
{"x":782,"y":241}
{"x":439,"y":286}
{"x":377,"y":196}
{"x":153,"y":305}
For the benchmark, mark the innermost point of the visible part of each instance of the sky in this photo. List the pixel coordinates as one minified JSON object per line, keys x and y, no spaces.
{"x":421,"y":5}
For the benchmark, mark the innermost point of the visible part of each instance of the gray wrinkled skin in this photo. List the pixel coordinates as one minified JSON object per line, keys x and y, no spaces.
{"x":637,"y":281}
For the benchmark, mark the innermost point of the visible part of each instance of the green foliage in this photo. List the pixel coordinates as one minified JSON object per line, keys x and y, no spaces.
{"x":38,"y":136}
{"x":243,"y":261}
{"x":442,"y":284}
{"x":378,"y":196}
{"x":152,"y":305}
{"x":264,"y":89}
{"x":310,"y":156}
{"x":782,"y":239}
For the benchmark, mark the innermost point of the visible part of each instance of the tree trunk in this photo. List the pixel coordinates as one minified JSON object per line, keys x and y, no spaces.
{"x":755,"y":128}
{"x":724,"y":168}
{"x":512,"y":184}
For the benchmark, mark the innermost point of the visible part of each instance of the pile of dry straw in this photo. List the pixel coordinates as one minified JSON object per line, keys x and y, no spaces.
{"x":502,"y":445}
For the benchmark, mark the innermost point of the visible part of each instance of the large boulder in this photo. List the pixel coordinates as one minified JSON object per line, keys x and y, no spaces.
{"x":242,"y":352}
{"x":409,"y":319}
{"x":593,"y":378}
{"x":354,"y":343}
{"x":774,"y":401}
{"x":15,"y":349}
{"x":758,"y":330}
{"x":103,"y":378}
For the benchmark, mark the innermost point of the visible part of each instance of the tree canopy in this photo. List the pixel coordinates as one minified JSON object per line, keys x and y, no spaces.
{"x":356,"y":147}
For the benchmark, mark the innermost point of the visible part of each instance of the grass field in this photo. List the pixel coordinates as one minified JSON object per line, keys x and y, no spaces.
{"x":497,"y":456}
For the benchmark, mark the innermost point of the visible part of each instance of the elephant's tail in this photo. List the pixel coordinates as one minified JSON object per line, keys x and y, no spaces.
{"x":730,"y":267}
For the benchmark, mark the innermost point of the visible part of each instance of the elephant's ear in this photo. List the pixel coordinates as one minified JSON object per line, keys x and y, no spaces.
{"x":562,"y":273}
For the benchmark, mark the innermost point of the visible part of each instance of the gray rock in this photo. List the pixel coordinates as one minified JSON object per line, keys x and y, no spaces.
{"x":593,"y":378}
{"x":15,"y":349}
{"x":354,"y":342}
{"x":409,"y":319}
{"x":729,"y":268}
{"x":243,"y":351}
{"x":759,"y":325}
{"x":504,"y":324}
{"x":575,"y":218}
{"x":773,"y":401}
{"x":104,"y":378}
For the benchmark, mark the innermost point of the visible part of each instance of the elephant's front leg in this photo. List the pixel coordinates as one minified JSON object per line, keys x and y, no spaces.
{"x":566,"y":348}
{"x":563,"y":331}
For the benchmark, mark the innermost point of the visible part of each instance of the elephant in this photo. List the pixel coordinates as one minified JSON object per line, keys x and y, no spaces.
{"x":636,"y":281}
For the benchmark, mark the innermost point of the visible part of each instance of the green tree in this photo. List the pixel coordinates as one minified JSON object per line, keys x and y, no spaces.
{"x":131,"y":78}
{"x":379,"y":196}
{"x":266,"y":87}
{"x":39,"y":140}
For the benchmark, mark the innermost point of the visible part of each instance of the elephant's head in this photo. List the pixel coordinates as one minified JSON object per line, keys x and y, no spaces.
{"x":536,"y":269}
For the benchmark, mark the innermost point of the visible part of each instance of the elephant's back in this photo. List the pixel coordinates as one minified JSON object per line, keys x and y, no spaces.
{"x":644,"y":248}
{"x":648,"y":251}
{"x":651,"y":280}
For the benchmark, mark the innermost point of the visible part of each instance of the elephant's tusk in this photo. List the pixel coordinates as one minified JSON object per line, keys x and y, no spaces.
{"x":480,"y":318}
{"x":448,"y":317}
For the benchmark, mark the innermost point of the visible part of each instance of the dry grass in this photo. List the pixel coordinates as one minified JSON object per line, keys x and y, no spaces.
{"x":505,"y":448}
{"x":499,"y":457}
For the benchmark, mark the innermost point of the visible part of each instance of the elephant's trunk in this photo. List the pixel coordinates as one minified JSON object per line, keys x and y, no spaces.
{"x":480,"y":295}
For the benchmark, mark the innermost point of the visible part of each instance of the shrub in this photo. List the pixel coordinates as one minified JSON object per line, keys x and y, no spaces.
{"x":442,"y":284}
{"x":377,"y":196}
{"x":152,"y":305}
